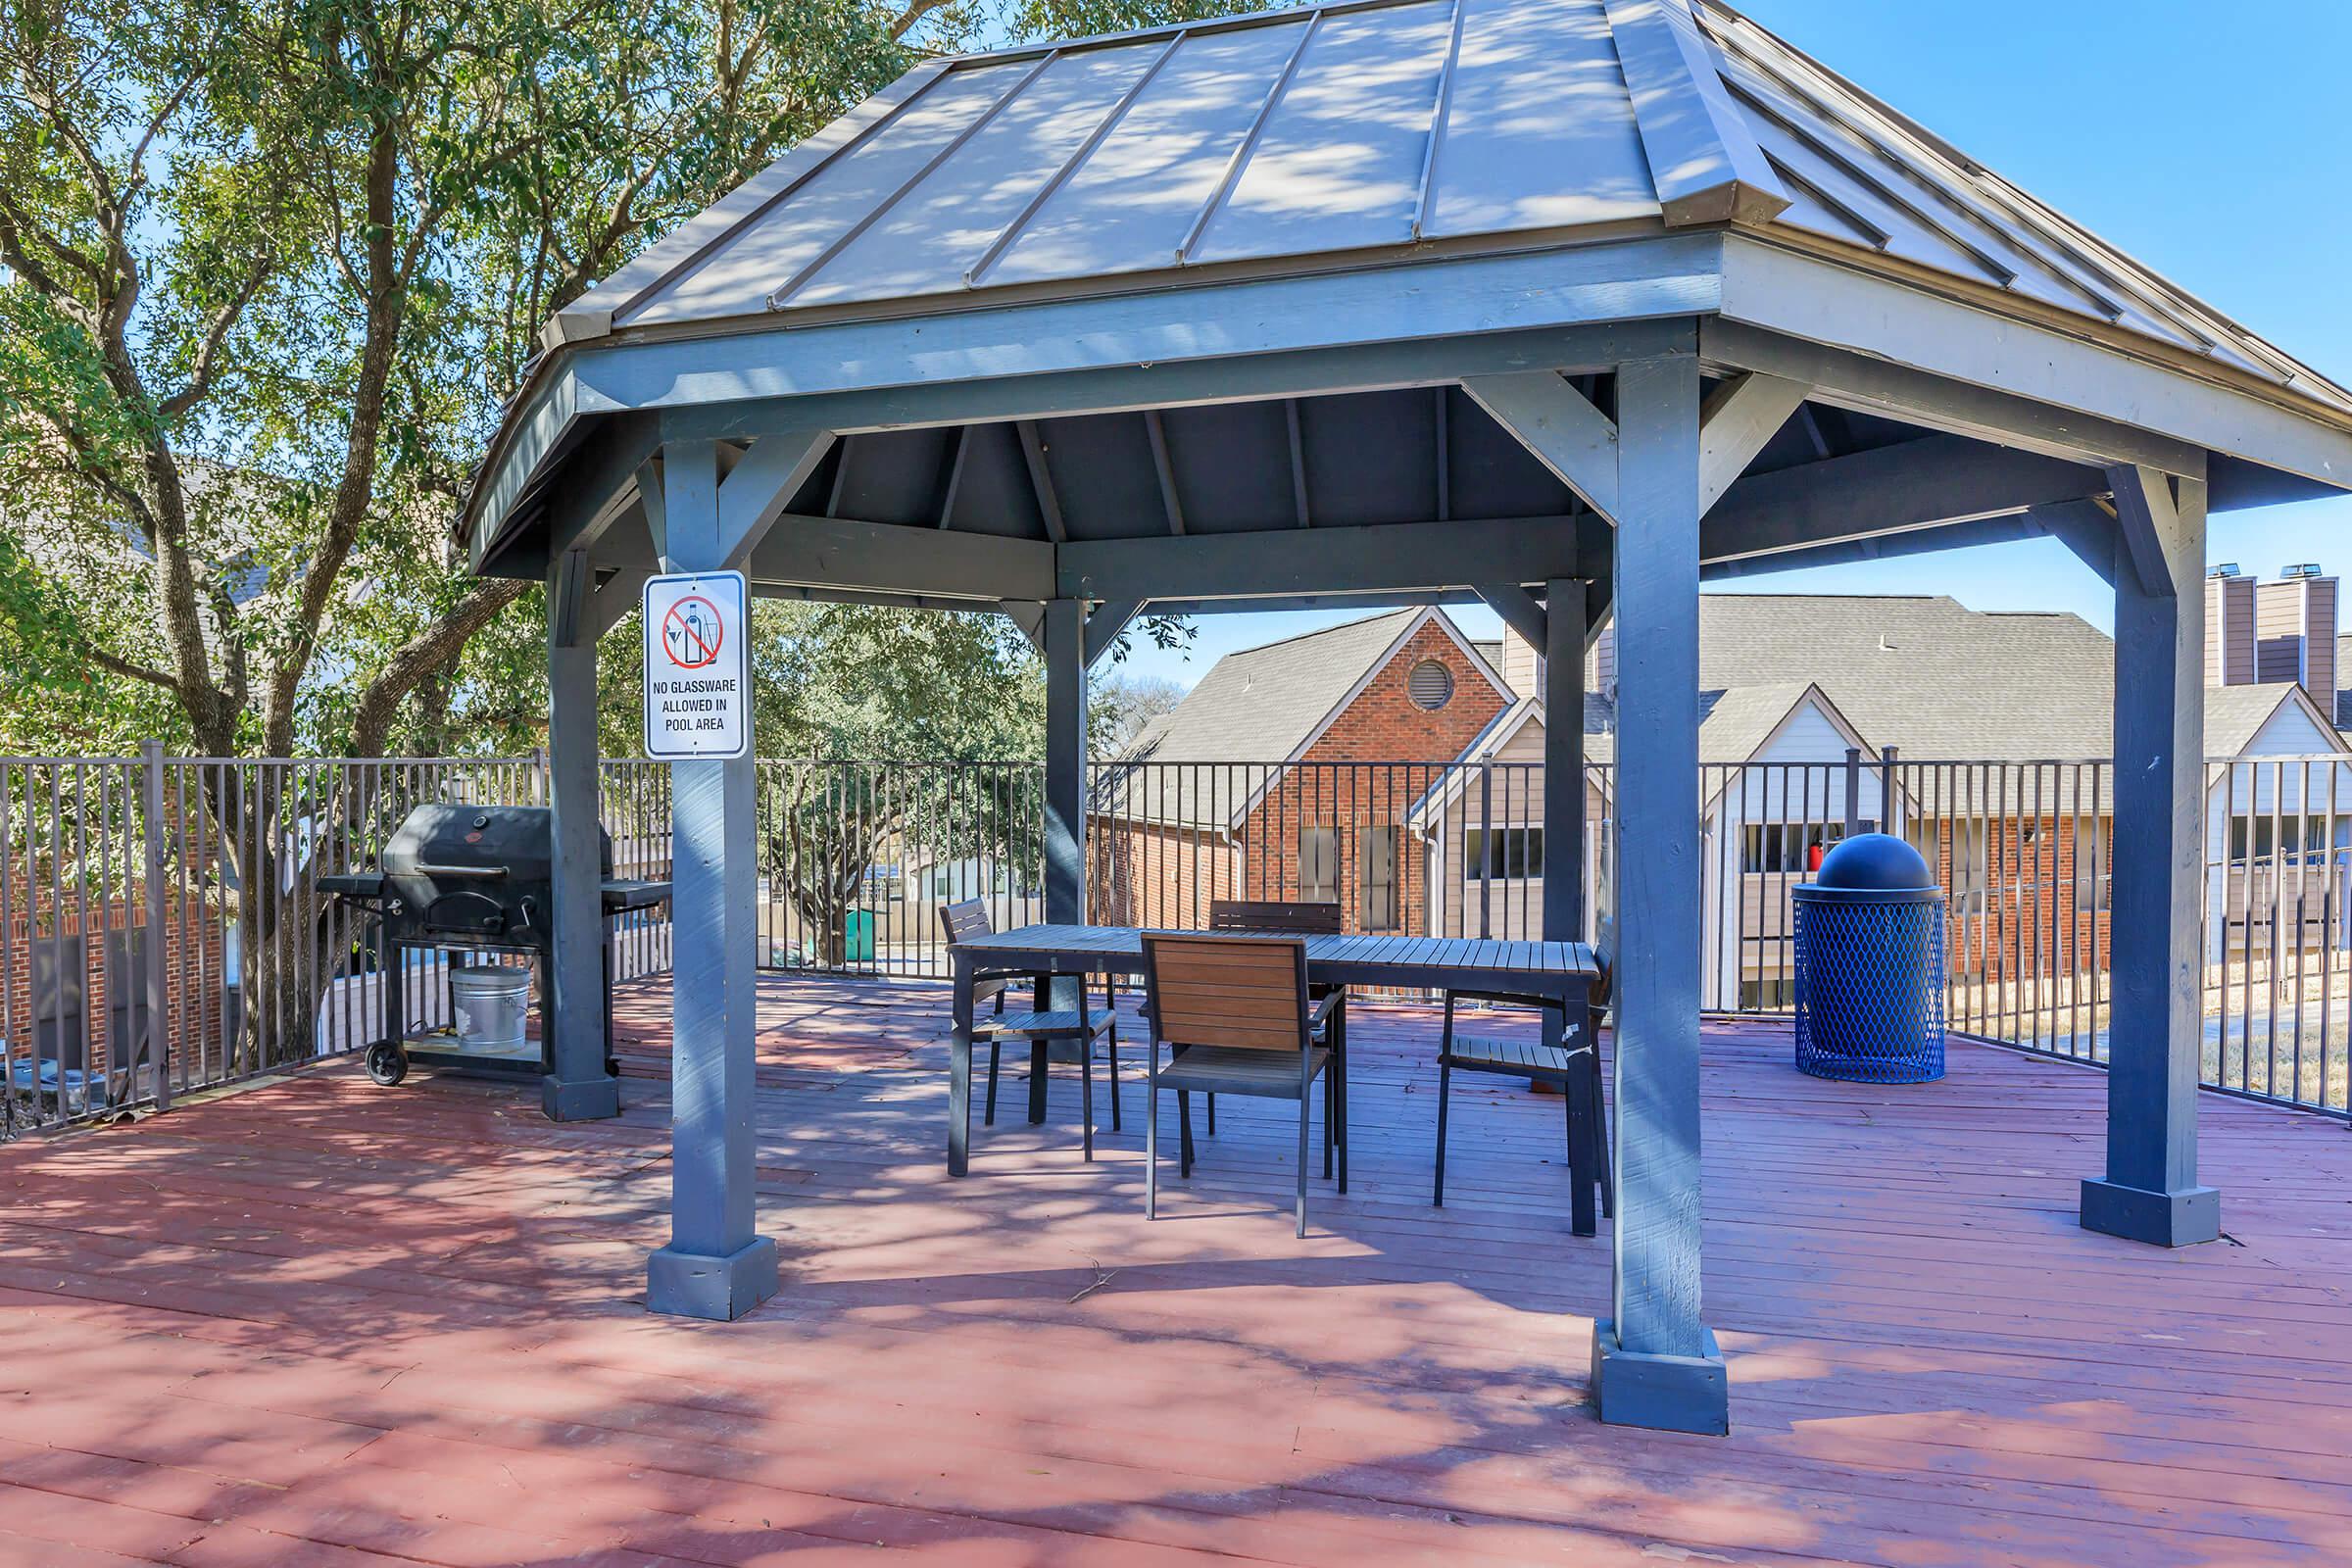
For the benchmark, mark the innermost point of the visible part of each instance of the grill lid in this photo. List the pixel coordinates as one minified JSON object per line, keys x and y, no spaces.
{"x":480,"y":846}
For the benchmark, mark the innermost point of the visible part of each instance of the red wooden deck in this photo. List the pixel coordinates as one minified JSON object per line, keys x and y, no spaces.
{"x":319,"y":1322}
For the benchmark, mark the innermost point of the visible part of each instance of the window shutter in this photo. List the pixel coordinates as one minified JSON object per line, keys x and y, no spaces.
{"x":1376,"y":878}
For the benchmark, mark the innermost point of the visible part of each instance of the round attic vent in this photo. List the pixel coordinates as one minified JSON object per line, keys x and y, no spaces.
{"x":1431,"y":685}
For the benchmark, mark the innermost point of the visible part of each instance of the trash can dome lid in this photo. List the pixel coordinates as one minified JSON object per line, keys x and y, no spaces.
{"x":1878,"y":862}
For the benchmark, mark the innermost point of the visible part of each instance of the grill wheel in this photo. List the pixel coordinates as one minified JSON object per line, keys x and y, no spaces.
{"x":387,"y":1063}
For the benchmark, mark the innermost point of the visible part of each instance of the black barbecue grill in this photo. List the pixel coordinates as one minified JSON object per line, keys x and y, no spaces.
{"x":475,"y":879}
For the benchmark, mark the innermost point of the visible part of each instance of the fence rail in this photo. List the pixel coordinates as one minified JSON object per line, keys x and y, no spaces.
{"x":148,"y":899}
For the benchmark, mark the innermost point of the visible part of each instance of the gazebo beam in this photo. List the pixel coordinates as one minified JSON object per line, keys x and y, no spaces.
{"x":887,"y":558}
{"x":1872,"y":384}
{"x":1562,"y":430}
{"x":2151,"y":1190}
{"x":578,"y":1088}
{"x":1655,"y":1362}
{"x":1106,"y":623}
{"x":1522,"y":611}
{"x":1380,"y":558}
{"x":716,"y":1265}
{"x":2082,"y":526}
{"x":1741,"y":415}
{"x":1921,"y":484}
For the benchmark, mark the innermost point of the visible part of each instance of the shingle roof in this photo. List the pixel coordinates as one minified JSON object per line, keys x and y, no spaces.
{"x":1925,"y":673}
{"x":1257,"y":705}
{"x":1378,"y":128}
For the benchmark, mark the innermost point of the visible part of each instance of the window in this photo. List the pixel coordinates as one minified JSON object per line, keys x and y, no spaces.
{"x":1504,"y":854}
{"x":2309,"y":834}
{"x":1319,"y":865}
{"x":1431,"y":685}
{"x":1795,"y":847}
{"x":1376,"y":878}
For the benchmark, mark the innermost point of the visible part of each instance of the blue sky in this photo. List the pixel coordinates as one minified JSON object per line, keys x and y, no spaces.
{"x":2207,"y":140}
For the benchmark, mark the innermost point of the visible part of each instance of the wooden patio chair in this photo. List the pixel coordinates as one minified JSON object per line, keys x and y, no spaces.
{"x":1536,"y":1062}
{"x":1039,"y":1024}
{"x":1306,"y":919}
{"x":1233,"y":1012}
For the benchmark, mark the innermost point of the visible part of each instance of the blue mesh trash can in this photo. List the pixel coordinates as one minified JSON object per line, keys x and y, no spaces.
{"x":1869,"y":966}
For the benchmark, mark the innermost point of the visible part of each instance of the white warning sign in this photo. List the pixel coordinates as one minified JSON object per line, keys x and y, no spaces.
{"x":698,"y":700}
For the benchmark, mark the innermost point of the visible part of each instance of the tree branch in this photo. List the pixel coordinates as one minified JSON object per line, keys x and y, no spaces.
{"x":436,"y":645}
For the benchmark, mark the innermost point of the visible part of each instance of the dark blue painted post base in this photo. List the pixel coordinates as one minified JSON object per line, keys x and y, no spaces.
{"x":1663,"y":1393}
{"x":720,"y":1289}
{"x":2181,"y":1218}
{"x":591,"y":1099}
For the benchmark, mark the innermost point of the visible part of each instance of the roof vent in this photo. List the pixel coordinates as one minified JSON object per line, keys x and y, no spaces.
{"x":1431,"y":685}
{"x":2302,"y":569}
{"x":2227,"y":568}
{"x":1885,"y":644}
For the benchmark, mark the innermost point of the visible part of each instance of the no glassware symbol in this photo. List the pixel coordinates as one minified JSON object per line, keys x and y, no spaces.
{"x":690,"y":633}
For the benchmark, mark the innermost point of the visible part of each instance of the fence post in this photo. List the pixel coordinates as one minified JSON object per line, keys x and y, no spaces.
{"x":1854,"y":790}
{"x":1886,"y":822}
{"x":1486,"y":845}
{"x":159,"y":1022}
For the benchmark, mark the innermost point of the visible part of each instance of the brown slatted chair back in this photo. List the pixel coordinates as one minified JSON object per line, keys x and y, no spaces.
{"x":1247,"y":993}
{"x":1274,"y":914}
{"x":961,"y":922}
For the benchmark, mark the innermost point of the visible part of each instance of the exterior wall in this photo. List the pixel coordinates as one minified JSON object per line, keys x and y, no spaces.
{"x":1513,"y":908}
{"x":1795,"y":778}
{"x":2034,"y":910}
{"x":2229,"y":631}
{"x":1382,"y":725}
{"x":2242,"y":886}
{"x":193,"y":951}
{"x":1522,"y":666}
{"x":1152,"y":874}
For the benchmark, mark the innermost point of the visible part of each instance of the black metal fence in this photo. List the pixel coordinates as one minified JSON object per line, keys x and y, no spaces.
{"x":149,"y":900}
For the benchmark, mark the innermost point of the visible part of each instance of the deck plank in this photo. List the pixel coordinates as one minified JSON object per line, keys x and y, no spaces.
{"x":319,"y":1321}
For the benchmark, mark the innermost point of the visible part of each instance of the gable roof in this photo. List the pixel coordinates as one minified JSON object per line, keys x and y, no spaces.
{"x":2235,"y":715}
{"x":1266,"y":705}
{"x":1382,"y":128}
{"x":1922,"y":674}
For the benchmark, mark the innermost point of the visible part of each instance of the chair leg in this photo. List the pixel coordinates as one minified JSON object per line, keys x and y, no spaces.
{"x":1437,"y":1198}
{"x":1086,"y":1097}
{"x":1152,"y":1142}
{"x":1330,"y":1112}
{"x":995,"y":1055}
{"x":1340,"y":1068}
{"x":1184,"y":1133}
{"x":1114,"y":1077}
{"x":1212,"y":1115}
{"x":1305,"y":1104}
{"x":1338,"y":1058}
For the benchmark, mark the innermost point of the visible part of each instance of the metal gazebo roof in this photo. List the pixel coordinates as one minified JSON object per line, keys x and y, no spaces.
{"x":1345,"y":132}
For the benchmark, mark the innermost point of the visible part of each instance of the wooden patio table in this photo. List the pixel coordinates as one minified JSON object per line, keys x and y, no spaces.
{"x":1562,"y":969}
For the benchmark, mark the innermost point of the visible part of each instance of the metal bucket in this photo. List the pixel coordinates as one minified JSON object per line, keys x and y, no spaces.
{"x":489,"y":1000}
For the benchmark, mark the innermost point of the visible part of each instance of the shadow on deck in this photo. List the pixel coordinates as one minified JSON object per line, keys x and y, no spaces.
{"x":320,"y":1321}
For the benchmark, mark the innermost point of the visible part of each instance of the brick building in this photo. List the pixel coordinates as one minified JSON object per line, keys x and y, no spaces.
{"x":1287,"y":772}
{"x":1395,"y":765}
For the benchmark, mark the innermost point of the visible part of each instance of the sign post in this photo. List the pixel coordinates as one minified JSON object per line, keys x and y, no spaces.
{"x":698,"y":666}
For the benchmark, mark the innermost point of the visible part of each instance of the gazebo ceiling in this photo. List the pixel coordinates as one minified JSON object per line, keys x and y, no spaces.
{"x":1381,"y":127}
